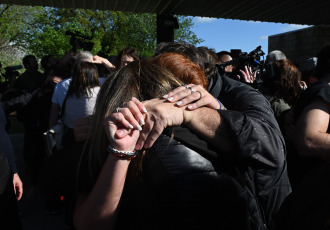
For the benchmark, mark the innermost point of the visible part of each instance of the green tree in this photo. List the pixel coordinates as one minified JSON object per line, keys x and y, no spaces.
{"x":42,"y":30}
{"x":14,"y":26}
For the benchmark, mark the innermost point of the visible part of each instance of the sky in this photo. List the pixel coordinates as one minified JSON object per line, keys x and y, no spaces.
{"x":227,"y":34}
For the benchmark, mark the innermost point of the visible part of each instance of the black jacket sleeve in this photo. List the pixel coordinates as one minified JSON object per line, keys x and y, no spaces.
{"x":251,"y":120}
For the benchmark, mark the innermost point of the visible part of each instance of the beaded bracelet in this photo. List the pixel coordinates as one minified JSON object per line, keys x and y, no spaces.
{"x":122,"y":154}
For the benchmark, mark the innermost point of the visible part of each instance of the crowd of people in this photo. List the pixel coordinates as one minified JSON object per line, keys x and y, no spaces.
{"x":186,"y":139}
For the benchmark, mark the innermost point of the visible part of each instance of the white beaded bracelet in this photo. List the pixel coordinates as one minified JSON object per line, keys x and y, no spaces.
{"x":122,"y":154}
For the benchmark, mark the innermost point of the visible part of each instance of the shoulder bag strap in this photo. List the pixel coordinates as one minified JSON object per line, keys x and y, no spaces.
{"x":63,"y":106}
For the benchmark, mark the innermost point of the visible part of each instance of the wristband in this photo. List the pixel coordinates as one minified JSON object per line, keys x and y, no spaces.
{"x":221,"y":106}
{"x":122,"y":154}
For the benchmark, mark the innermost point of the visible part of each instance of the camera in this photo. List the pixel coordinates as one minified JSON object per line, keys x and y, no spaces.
{"x":13,"y":68}
{"x":78,"y":40}
{"x":242,"y":59}
{"x":12,"y":71}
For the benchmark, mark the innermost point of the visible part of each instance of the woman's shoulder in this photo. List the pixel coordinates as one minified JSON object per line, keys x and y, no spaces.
{"x":279,"y":106}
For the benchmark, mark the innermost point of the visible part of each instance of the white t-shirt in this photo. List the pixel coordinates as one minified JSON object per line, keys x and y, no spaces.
{"x":76,"y":108}
{"x":62,"y":88}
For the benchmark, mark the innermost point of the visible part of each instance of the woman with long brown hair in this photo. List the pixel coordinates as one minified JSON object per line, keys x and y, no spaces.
{"x":140,"y":79}
{"x":282,"y":86}
{"x":81,"y":96}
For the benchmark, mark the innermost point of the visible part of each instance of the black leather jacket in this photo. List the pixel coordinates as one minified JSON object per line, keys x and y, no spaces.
{"x":188,"y":184}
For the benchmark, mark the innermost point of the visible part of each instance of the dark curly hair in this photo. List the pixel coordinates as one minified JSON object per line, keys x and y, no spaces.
{"x":285,"y":81}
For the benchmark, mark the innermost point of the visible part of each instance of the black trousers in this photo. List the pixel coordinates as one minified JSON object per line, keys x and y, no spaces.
{"x":9,"y":218}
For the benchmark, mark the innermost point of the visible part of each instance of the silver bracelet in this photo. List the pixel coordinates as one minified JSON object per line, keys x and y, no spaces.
{"x":122,"y":154}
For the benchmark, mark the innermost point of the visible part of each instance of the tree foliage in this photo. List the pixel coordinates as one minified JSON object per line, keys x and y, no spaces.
{"x":15,"y":24}
{"x":42,"y":30}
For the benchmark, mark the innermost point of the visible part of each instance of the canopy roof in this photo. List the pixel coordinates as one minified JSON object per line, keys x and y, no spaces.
{"x":306,"y":12}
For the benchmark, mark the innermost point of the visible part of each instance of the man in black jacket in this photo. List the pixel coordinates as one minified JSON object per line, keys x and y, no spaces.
{"x":246,"y":135}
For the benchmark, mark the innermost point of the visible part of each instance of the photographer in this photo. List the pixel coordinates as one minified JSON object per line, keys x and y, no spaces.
{"x":246,"y":67}
{"x":223,"y":57}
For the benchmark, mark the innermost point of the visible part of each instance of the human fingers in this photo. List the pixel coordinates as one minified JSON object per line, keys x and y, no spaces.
{"x":208,"y":101}
{"x":248,"y":71}
{"x":151,"y":118}
{"x":179,"y":93}
{"x":244,"y":76}
{"x":57,"y":79}
{"x":252,"y":75}
{"x":18,"y":186}
{"x":144,"y":133}
{"x":139,"y":104}
{"x":161,"y":114}
{"x":137,"y":109}
{"x":96,"y":57}
{"x":121,"y":133}
{"x":200,"y":97}
{"x":19,"y":192}
{"x":303,"y":85}
{"x":132,"y":115}
{"x":247,"y":76}
{"x":113,"y":124}
{"x":189,"y":94}
{"x":157,"y":129}
{"x":120,"y":137}
{"x":121,"y":124}
{"x":150,"y":133}
{"x":177,"y":90}
{"x":124,"y":117}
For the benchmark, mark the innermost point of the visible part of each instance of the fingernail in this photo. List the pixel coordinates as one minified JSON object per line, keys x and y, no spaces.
{"x":179,"y":103}
{"x":165,"y":96}
{"x":120,"y":132}
{"x":190,"y":106}
{"x":170,"y":99}
{"x":138,"y":127}
{"x":142,"y":121}
{"x":144,"y":110}
{"x":130,"y":126}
